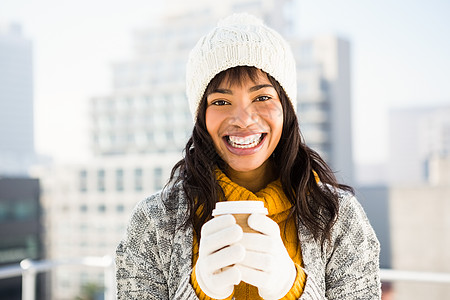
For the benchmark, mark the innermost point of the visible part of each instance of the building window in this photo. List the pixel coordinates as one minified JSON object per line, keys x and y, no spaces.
{"x":157,"y":178}
{"x":101,"y":180}
{"x":119,"y":180}
{"x":130,"y":138}
{"x":18,"y":210}
{"x":24,"y":209}
{"x":324,"y":86}
{"x":4,"y":211}
{"x":102,"y":208}
{"x":150,"y":137}
{"x":83,"y":208}
{"x":138,"y":179}
{"x":170,"y":135}
{"x":120,"y":208}
{"x":83,"y":181}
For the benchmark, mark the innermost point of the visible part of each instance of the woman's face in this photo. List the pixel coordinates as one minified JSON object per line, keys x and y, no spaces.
{"x":245,"y":121}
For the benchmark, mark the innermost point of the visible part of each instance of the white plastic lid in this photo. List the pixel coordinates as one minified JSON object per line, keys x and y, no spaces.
{"x":239,"y":207}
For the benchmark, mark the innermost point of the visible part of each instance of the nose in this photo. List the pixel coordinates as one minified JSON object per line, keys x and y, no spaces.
{"x":244,"y":116}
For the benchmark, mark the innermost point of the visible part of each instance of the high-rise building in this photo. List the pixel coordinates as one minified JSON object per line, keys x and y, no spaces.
{"x":20,"y":213}
{"x":324,"y":100}
{"x":16,"y":102}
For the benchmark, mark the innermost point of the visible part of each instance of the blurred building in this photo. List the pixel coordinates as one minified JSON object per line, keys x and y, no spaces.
{"x":416,"y":136}
{"x":324,"y":100}
{"x":419,"y":197}
{"x":420,"y":231}
{"x":16,"y":102}
{"x":20,"y":231}
{"x":87,"y":207}
{"x":139,"y":129}
{"x":371,"y":174}
{"x":20,"y":211}
{"x":408,"y":199}
{"x":375,"y":200}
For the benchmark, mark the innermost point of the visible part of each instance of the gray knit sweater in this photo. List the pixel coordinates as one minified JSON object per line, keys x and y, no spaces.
{"x":154,"y":260}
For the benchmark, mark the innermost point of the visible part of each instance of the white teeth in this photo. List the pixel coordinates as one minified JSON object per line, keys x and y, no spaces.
{"x":244,"y":142}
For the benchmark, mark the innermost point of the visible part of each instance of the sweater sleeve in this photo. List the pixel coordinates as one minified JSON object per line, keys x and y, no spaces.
{"x":143,"y":264}
{"x":352,"y":270}
{"x":139,"y":273}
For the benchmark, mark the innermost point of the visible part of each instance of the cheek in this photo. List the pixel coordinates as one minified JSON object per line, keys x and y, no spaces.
{"x":271,"y":110}
{"x":277,"y":130}
{"x":212,"y":119}
{"x":276,"y":120}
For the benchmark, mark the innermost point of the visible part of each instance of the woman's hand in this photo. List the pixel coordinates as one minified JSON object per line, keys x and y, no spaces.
{"x":267,"y":264}
{"x":219,"y":252}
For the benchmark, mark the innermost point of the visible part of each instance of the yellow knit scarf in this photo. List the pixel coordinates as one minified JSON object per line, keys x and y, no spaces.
{"x":278,"y":206}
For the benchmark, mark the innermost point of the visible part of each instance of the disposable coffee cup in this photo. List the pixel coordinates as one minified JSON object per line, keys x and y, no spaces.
{"x":241,"y":210}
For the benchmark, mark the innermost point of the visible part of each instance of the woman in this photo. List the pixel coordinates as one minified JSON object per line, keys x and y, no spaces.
{"x":315,"y":243}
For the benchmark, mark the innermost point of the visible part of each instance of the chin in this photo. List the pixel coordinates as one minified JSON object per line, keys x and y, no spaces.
{"x":241,"y":167}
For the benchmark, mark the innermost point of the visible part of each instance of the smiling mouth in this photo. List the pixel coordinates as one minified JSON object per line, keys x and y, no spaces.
{"x":245,"y":142}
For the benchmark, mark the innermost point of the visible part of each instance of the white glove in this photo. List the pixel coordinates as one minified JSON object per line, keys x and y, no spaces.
{"x":219,"y":252}
{"x":267,"y":264}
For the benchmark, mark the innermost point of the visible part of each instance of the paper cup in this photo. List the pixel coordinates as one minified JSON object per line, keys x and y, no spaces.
{"x":241,"y":210}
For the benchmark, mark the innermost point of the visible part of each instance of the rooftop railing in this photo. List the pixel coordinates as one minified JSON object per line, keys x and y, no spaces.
{"x":28,"y":269}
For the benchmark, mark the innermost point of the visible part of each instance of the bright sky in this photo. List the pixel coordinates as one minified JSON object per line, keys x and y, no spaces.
{"x":400,"y":57}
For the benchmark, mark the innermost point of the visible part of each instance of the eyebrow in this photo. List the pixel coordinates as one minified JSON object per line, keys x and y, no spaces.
{"x":252,"y":89}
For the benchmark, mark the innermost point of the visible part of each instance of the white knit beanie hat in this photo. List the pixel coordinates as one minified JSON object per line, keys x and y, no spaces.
{"x":239,"y":40}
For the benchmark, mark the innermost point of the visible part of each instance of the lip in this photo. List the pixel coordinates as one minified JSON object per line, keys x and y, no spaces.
{"x":246,"y":151}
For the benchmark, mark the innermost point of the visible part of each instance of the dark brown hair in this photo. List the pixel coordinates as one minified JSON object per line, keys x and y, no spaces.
{"x":314,"y":204}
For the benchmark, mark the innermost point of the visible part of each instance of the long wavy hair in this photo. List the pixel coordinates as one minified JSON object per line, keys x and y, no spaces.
{"x":314,"y":204}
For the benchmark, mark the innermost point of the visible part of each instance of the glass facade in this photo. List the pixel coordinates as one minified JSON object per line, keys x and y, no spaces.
{"x":20,"y":230}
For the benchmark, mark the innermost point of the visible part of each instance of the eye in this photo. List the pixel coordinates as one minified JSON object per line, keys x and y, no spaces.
{"x":219,"y":102}
{"x":262,"y":98}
